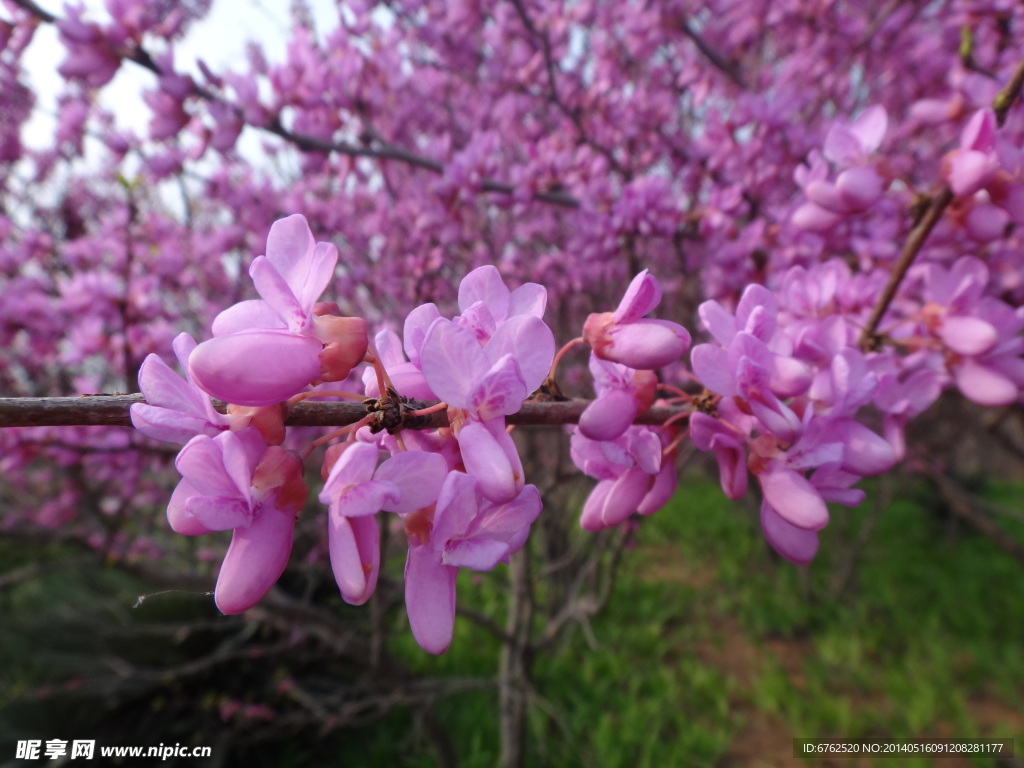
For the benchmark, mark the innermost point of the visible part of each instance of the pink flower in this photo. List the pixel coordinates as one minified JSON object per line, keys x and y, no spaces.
{"x":464,"y":530}
{"x":796,"y":544}
{"x":92,"y":55}
{"x":859,"y":184}
{"x":176,"y":409}
{"x":622,"y":394}
{"x":235,"y":482}
{"x":629,"y":471}
{"x":974,"y":163}
{"x":982,"y":333}
{"x":624,"y":337}
{"x":356,"y":490}
{"x":484,"y":372}
{"x":265,"y":351}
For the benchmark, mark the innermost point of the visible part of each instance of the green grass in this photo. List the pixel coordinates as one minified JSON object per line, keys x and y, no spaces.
{"x":708,"y":634}
{"x":711,"y":650}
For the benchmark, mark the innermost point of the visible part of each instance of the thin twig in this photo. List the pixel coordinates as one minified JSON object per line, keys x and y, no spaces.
{"x":919,"y":234}
{"x":725,"y":66}
{"x":959,"y":501}
{"x":550,"y":66}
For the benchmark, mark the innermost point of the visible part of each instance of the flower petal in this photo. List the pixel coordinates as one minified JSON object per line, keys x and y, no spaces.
{"x":647,"y":344}
{"x":457,"y":505}
{"x":798,"y":545}
{"x":452,"y":361}
{"x":255,"y":560}
{"x":864,"y":452}
{"x":531,"y":342}
{"x":500,"y":392}
{"x":968,"y":335}
{"x":201,"y":462}
{"x":354,"y":545}
{"x":478,"y":554}
{"x":612,"y":501}
{"x":641,"y":297}
{"x":662,"y":490}
{"x":984,"y":384}
{"x":290,"y":247}
{"x":167,"y":389}
{"x":711,"y":366}
{"x":528,"y":299}
{"x":609,"y":416}
{"x":356,"y":465}
{"x":217,"y":513}
{"x":843,"y":147}
{"x":418,"y":475}
{"x":491,"y":457}
{"x":485,"y":285}
{"x":245,"y":316}
{"x":718,"y":320}
{"x":167,"y":425}
{"x":368,"y":498}
{"x":417,"y":323}
{"x":506,"y":521}
{"x":256,"y":367}
{"x":430,"y":599}
{"x":179,"y":520}
{"x":794,"y":498}
{"x":860,"y":187}
{"x":870,"y":127}
{"x":278,"y":294}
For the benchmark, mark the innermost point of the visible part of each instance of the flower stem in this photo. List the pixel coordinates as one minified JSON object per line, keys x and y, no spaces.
{"x":349,"y":430}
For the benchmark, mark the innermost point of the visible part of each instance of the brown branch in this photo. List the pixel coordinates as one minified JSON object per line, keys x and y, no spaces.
{"x":936,"y":207}
{"x":304,"y":143}
{"x":960,"y":502}
{"x":113,"y":411}
{"x":1004,"y":99}
{"x":550,"y":66}
{"x":36,"y":11}
{"x":725,"y":66}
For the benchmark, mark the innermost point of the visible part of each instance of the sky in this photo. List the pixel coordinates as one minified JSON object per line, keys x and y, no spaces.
{"x":219,"y":39}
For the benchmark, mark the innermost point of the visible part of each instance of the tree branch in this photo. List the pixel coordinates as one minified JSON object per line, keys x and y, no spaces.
{"x":936,"y":206}
{"x":113,"y":411}
{"x":960,"y":502}
{"x":304,"y":143}
{"x":725,"y":66}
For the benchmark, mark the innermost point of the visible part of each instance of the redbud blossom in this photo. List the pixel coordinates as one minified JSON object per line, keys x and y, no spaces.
{"x":234,"y":481}
{"x":267,"y":350}
{"x":623,"y":337}
{"x":463,"y":530}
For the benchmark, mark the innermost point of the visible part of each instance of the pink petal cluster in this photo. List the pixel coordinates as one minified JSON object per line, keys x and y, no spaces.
{"x":859,"y":184}
{"x":980,"y":335}
{"x":266,"y":350}
{"x":785,"y":408}
{"x":464,"y":529}
{"x":234,"y":481}
{"x":625,"y":337}
{"x":986,"y":175}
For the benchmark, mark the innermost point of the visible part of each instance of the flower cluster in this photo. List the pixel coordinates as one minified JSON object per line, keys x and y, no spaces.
{"x":460,"y":493}
{"x":784,"y":393}
{"x":781,"y":180}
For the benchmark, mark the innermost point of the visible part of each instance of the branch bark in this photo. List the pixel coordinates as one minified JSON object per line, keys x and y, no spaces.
{"x":113,"y":411}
